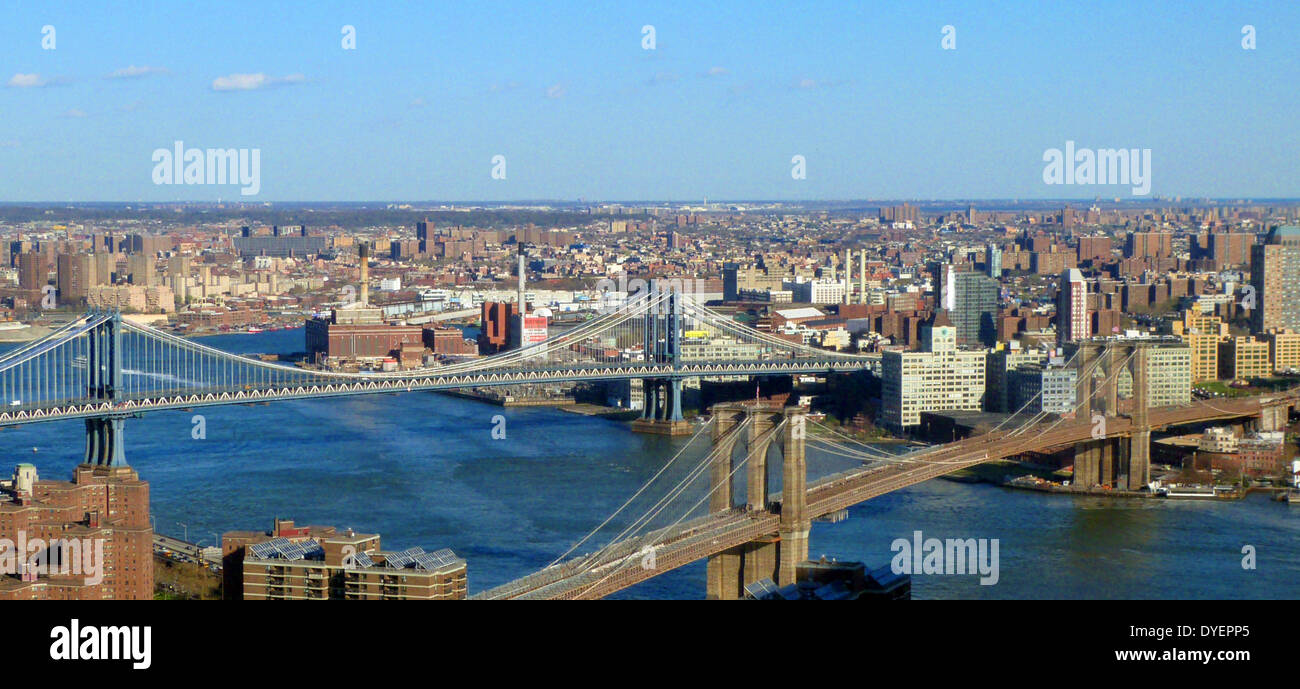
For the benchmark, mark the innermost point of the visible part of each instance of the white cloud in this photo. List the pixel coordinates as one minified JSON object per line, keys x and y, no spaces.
{"x":556,"y":91}
{"x":717,"y":71}
{"x":251,"y":82}
{"x":134,"y":71}
{"x":75,"y":112}
{"x":26,"y":81}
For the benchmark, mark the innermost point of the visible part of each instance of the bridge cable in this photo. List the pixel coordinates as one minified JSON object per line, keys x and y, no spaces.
{"x":640,"y":490}
{"x":692,"y":508}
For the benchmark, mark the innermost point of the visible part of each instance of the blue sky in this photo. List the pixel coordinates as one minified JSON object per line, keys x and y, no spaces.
{"x":566,"y":92}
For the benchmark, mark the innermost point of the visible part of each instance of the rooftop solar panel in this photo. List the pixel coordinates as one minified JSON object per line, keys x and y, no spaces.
{"x":397,"y":560}
{"x":291,"y":551}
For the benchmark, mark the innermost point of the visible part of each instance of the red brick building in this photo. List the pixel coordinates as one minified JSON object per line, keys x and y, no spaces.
{"x":352,"y":341}
{"x":449,"y":341}
{"x":494,"y":326}
{"x":103,"y":512}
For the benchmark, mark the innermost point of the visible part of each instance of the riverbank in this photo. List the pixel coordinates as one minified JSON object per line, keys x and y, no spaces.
{"x":509,"y":400}
{"x":615,"y":413}
{"x":25,"y":333}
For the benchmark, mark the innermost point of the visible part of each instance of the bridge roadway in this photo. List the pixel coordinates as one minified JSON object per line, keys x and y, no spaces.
{"x":340,"y":385}
{"x":621,"y":565}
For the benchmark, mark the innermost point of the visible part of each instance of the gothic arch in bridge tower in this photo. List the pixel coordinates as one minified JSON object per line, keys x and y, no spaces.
{"x":754,"y":429}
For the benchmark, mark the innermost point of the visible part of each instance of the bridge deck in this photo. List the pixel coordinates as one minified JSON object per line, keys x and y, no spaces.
{"x":620,"y":566}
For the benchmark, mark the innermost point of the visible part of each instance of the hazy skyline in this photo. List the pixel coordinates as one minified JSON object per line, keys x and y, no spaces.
{"x":578,"y":108}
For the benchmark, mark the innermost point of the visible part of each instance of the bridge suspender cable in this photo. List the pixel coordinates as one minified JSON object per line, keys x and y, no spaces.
{"x":639,"y":491}
{"x":591,"y":560}
{"x":654,"y":510}
{"x":624,"y":562}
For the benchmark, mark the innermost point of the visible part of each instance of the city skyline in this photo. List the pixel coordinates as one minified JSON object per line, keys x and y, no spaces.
{"x":580,"y":108}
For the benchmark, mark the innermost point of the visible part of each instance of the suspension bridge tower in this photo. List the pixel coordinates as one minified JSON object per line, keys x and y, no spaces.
{"x":661,"y":412}
{"x":756,"y":428}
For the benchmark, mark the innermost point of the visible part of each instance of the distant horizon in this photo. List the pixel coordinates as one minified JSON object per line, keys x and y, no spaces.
{"x":1137,"y":201}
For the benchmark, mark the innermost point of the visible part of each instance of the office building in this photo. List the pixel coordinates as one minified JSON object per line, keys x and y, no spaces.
{"x":1244,"y":357}
{"x":1202,"y":332}
{"x":971,"y":300}
{"x":1284,"y":349}
{"x":1051,"y":389}
{"x":814,"y":291}
{"x":939,"y":378}
{"x":998,"y":368}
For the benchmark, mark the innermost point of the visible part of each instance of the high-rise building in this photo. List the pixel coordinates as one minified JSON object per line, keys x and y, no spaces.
{"x":422,"y":230}
{"x":1072,"y":307}
{"x":971,"y":300}
{"x":939,"y":378}
{"x":993,"y":260}
{"x":1148,"y":245}
{"x":92,"y":535}
{"x":32,"y":276}
{"x":998,"y":369}
{"x":142,"y":270}
{"x":76,"y":276}
{"x":1094,"y":248}
{"x":495,"y":322}
{"x":1275,"y":279}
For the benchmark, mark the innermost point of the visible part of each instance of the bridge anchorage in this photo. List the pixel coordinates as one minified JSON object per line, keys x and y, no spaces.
{"x":757,"y":428}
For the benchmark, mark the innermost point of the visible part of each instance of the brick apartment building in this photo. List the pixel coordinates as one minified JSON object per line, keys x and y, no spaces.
{"x":322,"y":563}
{"x":101,"y":503}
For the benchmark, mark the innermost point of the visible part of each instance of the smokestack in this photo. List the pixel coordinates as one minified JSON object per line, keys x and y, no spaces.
{"x":848,"y":265}
{"x":523,"y":308}
{"x":363,"y":251}
{"x":862,"y":276}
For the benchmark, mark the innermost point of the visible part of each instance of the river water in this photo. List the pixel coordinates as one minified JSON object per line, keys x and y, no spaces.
{"x":423,"y":469}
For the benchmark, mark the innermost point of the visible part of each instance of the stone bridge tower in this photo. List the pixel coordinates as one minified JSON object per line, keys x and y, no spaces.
{"x":773,"y":556}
